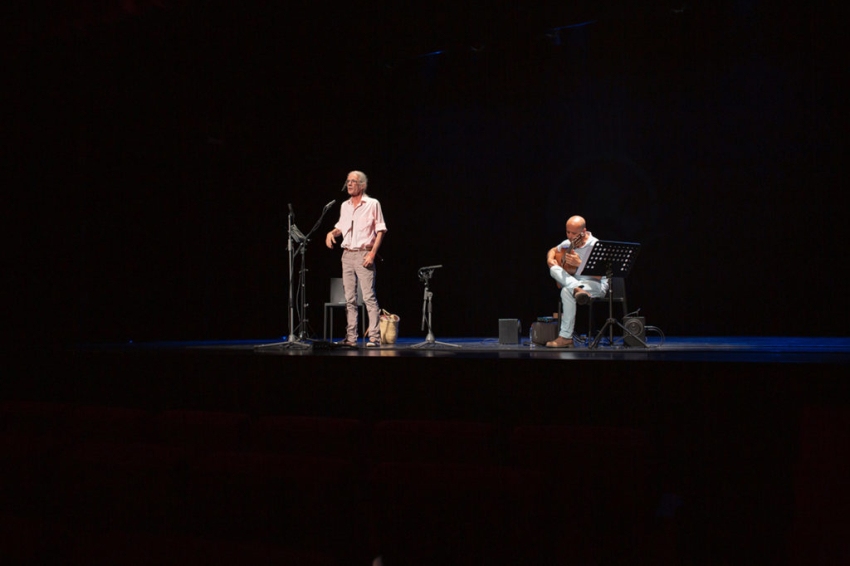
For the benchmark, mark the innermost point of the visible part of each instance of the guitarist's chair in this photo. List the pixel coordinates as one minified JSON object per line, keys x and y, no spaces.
{"x":618,"y":290}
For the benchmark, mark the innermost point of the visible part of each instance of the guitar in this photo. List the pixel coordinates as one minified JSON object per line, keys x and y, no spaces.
{"x":561,"y":257}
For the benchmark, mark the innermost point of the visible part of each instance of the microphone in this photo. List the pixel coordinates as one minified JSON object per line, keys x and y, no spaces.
{"x":430,"y":267}
{"x":290,"y":210}
{"x":329,"y":205}
{"x":344,"y":185}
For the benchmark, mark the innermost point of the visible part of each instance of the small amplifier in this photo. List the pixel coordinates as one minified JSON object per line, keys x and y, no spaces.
{"x":543,"y":331}
{"x":637,"y":326}
{"x":509,"y":330}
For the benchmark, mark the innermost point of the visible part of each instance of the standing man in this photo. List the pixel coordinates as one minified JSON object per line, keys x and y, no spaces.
{"x":566,"y":261}
{"x":361,"y":225}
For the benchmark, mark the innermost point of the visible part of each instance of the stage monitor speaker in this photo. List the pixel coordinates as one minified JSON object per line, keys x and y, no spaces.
{"x":509,"y":330}
{"x":637,"y":326}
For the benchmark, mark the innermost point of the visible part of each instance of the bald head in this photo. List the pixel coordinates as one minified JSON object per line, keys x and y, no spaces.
{"x":576,"y":223}
{"x":576,"y":230}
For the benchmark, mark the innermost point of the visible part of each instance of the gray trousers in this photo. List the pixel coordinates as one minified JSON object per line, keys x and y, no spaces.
{"x":353,"y":273}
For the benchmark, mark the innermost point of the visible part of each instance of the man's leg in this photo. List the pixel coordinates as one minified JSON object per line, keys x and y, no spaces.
{"x":569,"y":285}
{"x":349,"y":285}
{"x":592,"y":287}
{"x":568,"y":302}
{"x":368,"y":277}
{"x":568,"y":312}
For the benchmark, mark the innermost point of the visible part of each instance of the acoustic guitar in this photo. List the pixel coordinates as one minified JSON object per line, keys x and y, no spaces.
{"x":561,"y":257}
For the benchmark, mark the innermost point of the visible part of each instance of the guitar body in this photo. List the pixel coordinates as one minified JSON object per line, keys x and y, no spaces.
{"x":561,"y":258}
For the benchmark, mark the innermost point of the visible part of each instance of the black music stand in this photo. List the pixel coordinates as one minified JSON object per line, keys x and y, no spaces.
{"x":611,"y":259}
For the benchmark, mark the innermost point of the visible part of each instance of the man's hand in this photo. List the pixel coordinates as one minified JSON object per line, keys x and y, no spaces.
{"x":568,"y":260}
{"x":571,"y":259}
{"x":330,"y":239}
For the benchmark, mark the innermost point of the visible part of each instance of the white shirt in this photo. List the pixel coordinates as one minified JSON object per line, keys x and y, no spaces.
{"x":583,"y":252}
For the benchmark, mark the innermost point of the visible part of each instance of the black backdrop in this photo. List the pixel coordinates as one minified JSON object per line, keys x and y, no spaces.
{"x":153,"y":156}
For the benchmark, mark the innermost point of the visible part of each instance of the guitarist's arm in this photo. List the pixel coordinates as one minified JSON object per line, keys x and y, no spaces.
{"x":550,"y":257}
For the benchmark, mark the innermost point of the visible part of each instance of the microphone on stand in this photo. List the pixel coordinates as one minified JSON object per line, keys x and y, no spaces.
{"x":329,"y":205}
{"x":291,"y":212}
{"x":425,"y":273}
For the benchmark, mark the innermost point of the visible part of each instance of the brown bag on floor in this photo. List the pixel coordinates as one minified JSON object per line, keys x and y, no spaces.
{"x":389,"y":327}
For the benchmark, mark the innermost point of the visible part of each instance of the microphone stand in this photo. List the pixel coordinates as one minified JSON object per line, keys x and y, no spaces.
{"x":301,"y":340}
{"x":425,"y":274}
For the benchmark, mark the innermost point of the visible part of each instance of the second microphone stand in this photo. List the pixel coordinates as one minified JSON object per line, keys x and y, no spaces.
{"x":425,"y":274}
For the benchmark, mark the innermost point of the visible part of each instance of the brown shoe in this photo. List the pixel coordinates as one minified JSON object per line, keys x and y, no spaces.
{"x":560,"y":342}
{"x":582,"y":296}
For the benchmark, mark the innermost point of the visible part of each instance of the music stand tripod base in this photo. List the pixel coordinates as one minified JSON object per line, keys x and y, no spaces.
{"x":609,"y":324}
{"x":294,"y":343}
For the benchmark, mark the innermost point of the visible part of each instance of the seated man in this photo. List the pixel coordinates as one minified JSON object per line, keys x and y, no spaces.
{"x":566,"y":261}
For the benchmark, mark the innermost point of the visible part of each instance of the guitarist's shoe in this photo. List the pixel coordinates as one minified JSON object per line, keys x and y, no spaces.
{"x":582,"y":296}
{"x":560,"y":342}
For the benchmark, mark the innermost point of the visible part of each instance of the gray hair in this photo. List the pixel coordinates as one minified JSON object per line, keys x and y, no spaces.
{"x":363,"y":178}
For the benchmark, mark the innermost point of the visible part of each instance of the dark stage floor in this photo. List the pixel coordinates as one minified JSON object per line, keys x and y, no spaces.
{"x":464,"y":378}
{"x":729,"y":349}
